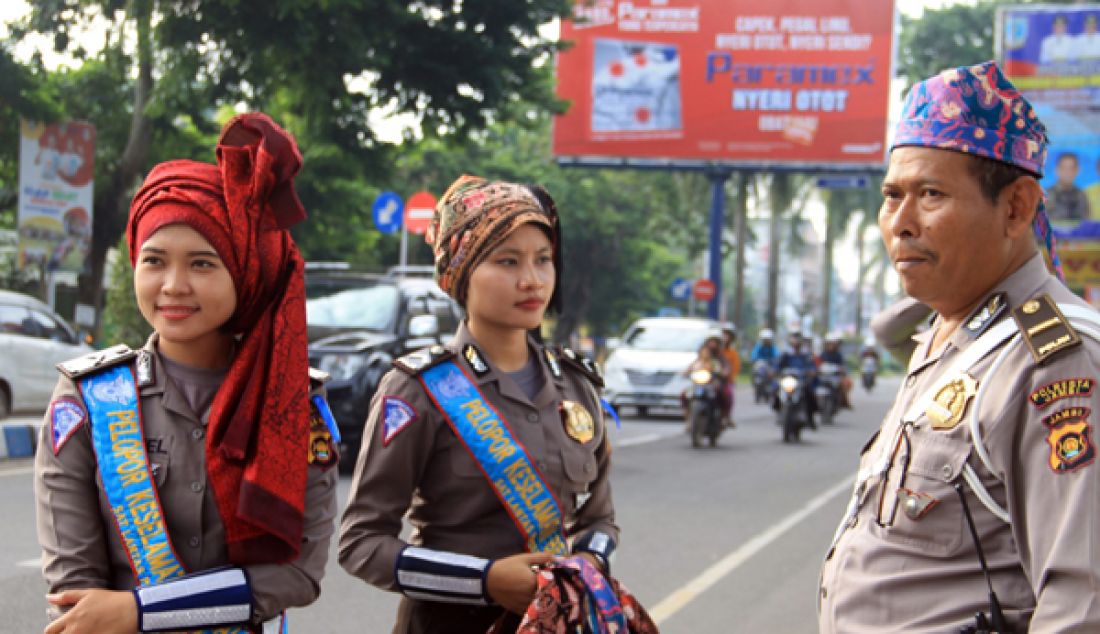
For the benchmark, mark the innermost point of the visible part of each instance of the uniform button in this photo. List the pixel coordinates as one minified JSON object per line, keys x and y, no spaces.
{"x":588,"y":467}
{"x":193,"y":542}
{"x":534,"y":418}
{"x":196,"y":487}
{"x":197,"y":433}
{"x":947,"y":471}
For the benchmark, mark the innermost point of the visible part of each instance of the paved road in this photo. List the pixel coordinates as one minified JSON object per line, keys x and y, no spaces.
{"x":714,"y":540}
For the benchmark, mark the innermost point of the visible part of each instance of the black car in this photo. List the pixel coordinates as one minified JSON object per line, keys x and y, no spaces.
{"x":358,"y":324}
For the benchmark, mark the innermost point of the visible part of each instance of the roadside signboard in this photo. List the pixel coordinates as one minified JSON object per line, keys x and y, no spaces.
{"x":680,"y":289}
{"x":727,"y":81}
{"x":56,"y":170}
{"x":418,"y":212}
{"x":388,"y":212}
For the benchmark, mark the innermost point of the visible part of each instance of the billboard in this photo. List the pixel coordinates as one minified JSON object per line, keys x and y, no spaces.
{"x":1052,"y":54}
{"x":56,"y":169}
{"x":727,"y":81}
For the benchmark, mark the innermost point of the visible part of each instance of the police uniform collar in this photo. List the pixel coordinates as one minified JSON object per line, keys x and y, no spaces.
{"x":1016,"y":289}
{"x":464,"y":339}
{"x":172,"y":400}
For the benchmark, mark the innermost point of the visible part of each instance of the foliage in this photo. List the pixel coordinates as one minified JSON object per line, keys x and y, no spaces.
{"x":122,"y":321}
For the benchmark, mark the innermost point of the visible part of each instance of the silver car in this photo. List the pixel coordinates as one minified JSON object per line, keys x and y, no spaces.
{"x":645,"y":369}
{"x":33,"y":340}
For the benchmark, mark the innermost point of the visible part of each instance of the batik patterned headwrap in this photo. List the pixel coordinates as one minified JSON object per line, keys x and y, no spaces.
{"x":474,"y":217}
{"x":976,"y":110}
{"x":258,"y":436}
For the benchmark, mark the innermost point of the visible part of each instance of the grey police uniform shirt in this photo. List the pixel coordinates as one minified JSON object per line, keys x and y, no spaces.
{"x":80,"y":544}
{"x":424,"y":469}
{"x":899,"y":568}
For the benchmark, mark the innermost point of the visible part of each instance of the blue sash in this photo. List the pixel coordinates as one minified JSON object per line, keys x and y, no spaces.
{"x":502,"y":459}
{"x":112,"y":401}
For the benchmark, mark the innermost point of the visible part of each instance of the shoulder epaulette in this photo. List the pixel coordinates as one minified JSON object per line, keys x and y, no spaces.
{"x":1044,"y":328}
{"x":98,"y":360}
{"x":580,"y":362}
{"x":317,"y":378}
{"x":416,"y":362}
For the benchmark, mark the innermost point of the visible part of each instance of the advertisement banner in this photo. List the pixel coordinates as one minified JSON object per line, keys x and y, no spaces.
{"x":1052,"y":54}
{"x":56,"y":168}
{"x":728,"y":81}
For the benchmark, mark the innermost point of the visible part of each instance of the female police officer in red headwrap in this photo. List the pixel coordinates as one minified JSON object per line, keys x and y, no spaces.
{"x":494,"y":444}
{"x":188,"y":485}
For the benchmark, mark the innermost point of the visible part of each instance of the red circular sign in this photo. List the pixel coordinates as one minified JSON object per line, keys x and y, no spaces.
{"x":704,"y":290}
{"x":418,"y":212}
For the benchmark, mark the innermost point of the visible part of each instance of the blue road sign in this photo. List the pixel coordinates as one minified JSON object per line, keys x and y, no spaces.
{"x":680,"y":289}
{"x":841,"y":181}
{"x":388,"y":210}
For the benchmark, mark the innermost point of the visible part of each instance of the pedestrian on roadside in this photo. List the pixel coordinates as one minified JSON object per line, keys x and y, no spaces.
{"x":190,"y":485}
{"x":983,"y":475}
{"x":494,"y":444}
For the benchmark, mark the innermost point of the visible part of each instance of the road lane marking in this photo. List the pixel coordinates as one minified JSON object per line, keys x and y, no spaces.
{"x":640,"y":440}
{"x":30,"y":563}
{"x":676,"y":601}
{"x":16,"y":471}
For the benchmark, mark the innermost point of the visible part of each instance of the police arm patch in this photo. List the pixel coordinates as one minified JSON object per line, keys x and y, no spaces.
{"x":322,"y":444}
{"x":1069,"y":435}
{"x":1058,"y":390}
{"x":396,"y":415}
{"x":66,"y":416}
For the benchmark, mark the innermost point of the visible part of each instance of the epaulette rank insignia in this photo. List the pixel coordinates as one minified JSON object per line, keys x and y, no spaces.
{"x":584,"y":364}
{"x":98,"y":360}
{"x":317,"y":378}
{"x":1044,"y":328}
{"x":416,"y":362}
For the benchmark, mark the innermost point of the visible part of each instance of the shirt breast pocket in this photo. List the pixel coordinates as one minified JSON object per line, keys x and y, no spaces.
{"x":919,"y":505}
{"x":580,"y":469}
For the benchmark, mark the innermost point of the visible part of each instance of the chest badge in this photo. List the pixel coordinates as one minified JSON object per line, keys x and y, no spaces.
{"x":948,"y":406}
{"x":578,"y":422}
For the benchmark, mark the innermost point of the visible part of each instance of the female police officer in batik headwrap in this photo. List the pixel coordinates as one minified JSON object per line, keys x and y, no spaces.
{"x":190,"y":485}
{"x":494,"y":444}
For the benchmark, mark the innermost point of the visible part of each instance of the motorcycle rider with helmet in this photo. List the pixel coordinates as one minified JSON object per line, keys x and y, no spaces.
{"x":797,"y":357}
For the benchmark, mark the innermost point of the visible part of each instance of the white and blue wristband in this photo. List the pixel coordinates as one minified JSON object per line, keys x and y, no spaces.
{"x":209,"y":599}
{"x":441,"y":576}
{"x":599,"y":544}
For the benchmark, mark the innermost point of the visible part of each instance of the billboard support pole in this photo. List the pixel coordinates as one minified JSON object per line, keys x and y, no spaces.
{"x":717,"y":211}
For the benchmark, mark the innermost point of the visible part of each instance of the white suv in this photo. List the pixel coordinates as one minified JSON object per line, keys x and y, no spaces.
{"x":646,"y":367}
{"x":33,"y":340}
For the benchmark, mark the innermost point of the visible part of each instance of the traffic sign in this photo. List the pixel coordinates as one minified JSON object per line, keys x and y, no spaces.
{"x":704,"y":290}
{"x":388,"y":211}
{"x":841,"y":181}
{"x":680,"y":289}
{"x":419,"y":211}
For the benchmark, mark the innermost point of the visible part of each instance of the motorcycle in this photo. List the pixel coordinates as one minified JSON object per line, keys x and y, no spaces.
{"x":868,"y":369}
{"x":705,"y":407}
{"x":827,"y":391}
{"x":762,"y":381}
{"x":792,"y":407}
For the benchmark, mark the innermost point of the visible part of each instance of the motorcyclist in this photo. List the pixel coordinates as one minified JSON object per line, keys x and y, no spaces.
{"x":733,"y":361}
{"x":831,"y":354}
{"x":798,"y":357}
{"x":869,"y":362}
{"x":764,"y":349}
{"x":709,"y":358}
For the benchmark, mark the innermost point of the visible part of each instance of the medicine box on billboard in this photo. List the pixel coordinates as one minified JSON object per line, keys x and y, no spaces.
{"x":727,"y":81}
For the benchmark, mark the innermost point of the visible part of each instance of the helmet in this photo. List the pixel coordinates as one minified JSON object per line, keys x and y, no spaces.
{"x":767,"y":334}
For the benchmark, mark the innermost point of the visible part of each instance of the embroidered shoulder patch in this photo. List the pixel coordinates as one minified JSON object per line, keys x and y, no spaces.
{"x":66,"y":416}
{"x":396,"y":415}
{"x":1058,"y":390}
{"x":1070,"y":439}
{"x":322,"y":445}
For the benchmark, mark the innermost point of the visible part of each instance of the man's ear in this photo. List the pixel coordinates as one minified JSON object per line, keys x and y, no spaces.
{"x":1020,"y":201}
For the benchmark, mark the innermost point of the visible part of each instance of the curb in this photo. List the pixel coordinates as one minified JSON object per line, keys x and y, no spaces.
{"x":18,"y":439}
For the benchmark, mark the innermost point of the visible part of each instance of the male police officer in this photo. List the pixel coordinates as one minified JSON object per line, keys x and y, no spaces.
{"x":997,"y":408}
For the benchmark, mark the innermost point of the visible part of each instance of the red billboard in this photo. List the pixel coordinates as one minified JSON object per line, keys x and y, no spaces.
{"x":729,"y":81}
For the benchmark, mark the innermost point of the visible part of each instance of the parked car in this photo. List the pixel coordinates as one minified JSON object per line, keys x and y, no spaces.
{"x":33,"y":340}
{"x":358,"y":324}
{"x":645,"y":369}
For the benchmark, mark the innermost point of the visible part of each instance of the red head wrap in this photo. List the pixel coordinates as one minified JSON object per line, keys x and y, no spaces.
{"x":259,"y":421}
